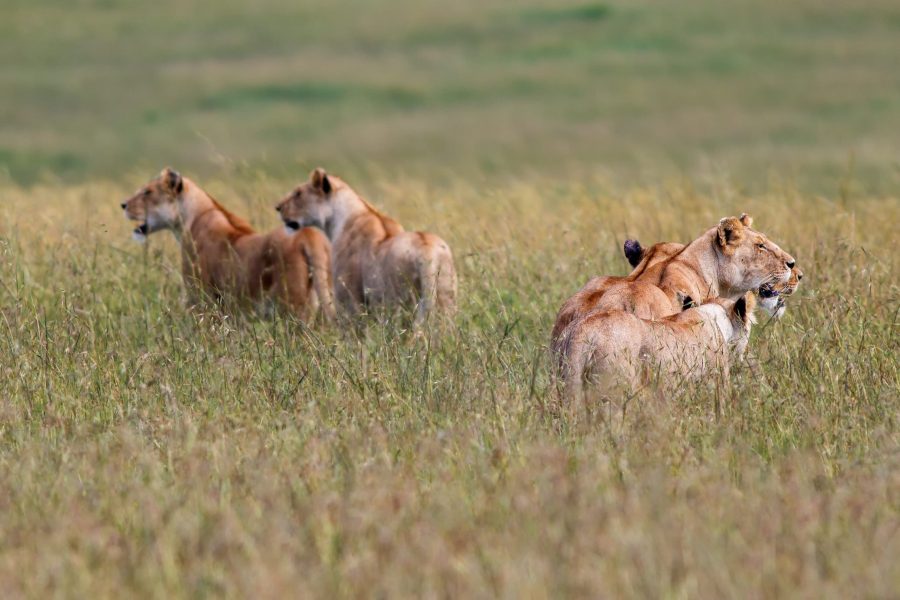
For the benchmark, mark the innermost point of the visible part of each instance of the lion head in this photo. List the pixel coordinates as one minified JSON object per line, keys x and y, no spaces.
{"x":310,"y":203}
{"x":771,"y":296}
{"x":155,"y":205}
{"x":747,"y":259}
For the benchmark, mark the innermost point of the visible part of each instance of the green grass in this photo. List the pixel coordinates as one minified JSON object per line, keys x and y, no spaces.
{"x":487,"y":89}
{"x":146,"y":451}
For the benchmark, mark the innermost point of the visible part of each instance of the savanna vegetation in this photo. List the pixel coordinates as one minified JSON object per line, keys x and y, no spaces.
{"x":148,"y":451}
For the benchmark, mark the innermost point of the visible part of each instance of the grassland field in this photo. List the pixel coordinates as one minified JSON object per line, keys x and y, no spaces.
{"x":145,"y":451}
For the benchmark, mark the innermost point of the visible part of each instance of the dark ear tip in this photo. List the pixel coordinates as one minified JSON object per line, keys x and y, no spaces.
{"x":173,"y":179}
{"x":319,"y":179}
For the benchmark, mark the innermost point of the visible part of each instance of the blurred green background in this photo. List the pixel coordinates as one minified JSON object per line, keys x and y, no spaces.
{"x":807,"y":91}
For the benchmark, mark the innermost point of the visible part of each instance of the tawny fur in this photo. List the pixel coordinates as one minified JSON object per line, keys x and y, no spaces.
{"x":224,"y":258}
{"x":375,"y":261}
{"x":586,"y":299}
{"x":621,"y":349}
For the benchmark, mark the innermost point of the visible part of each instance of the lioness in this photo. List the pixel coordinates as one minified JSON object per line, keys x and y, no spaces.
{"x":770,"y":297}
{"x":375,"y":261}
{"x":223,"y":257}
{"x":620,"y":348}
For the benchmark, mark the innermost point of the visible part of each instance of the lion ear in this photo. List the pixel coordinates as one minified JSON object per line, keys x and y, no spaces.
{"x":320,"y":181}
{"x":685,"y":300}
{"x":172,"y":180}
{"x":731,"y":232}
{"x":746,"y":220}
{"x":744,"y":307}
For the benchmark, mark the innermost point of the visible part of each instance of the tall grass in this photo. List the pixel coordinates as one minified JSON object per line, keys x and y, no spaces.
{"x":144,"y":450}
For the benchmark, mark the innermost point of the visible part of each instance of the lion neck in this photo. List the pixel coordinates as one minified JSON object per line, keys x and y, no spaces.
{"x":716,"y":320}
{"x":193,"y":203}
{"x":695,"y":271}
{"x":735,"y":331}
{"x":350,"y":210}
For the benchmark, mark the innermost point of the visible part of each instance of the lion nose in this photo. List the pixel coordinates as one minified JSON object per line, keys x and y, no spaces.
{"x":124,"y":205}
{"x":790,"y":264}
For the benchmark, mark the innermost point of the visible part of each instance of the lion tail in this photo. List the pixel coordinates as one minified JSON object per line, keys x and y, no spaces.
{"x":317,"y":251}
{"x":438,"y":284}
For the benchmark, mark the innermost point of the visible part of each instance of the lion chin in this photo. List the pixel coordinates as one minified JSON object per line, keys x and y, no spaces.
{"x":772,"y":305}
{"x":139,"y":234}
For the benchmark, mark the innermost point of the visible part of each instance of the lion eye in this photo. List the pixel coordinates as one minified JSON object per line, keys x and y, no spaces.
{"x":761,"y":246}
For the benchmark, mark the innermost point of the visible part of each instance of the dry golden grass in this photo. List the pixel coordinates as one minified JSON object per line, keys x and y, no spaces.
{"x":147,"y":452}
{"x":144,"y":451}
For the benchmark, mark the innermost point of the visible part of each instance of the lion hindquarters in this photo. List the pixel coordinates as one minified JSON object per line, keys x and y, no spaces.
{"x":604,"y":347}
{"x":577,"y":307}
{"x":415,"y":270}
{"x":304,"y":282}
